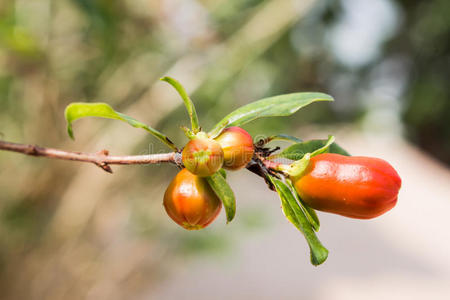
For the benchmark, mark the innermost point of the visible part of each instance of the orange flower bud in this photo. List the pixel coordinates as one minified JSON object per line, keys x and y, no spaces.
{"x":190,"y":201}
{"x":355,"y":187}
{"x":237,"y":145}
{"x":202,"y":156}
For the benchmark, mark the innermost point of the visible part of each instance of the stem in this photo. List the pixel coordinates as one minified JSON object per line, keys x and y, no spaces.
{"x":189,"y":134}
{"x":187,"y":102}
{"x":101,"y":159}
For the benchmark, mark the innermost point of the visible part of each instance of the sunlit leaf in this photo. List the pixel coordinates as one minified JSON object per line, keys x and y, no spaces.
{"x":296,"y":168}
{"x":78,"y":110}
{"x":309,"y":212}
{"x":223,"y":173}
{"x":296,"y":216}
{"x":282,"y":105}
{"x":225,"y":193}
{"x":297,"y":151}
{"x":283,"y":137}
{"x":187,"y":102}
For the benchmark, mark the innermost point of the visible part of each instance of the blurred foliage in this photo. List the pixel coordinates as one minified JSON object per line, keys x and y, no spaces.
{"x":69,"y":231}
{"x":427,"y":106}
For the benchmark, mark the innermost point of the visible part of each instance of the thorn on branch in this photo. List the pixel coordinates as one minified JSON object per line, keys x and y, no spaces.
{"x":103,"y":152}
{"x":104,"y":166}
{"x":101,"y":164}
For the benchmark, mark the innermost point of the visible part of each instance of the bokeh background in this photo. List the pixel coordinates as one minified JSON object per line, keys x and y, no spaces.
{"x":71,"y":231}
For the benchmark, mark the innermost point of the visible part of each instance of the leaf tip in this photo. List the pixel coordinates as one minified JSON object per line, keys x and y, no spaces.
{"x":230,"y":213}
{"x":169,"y":80}
{"x":327,"y":97}
{"x":70,"y":131}
{"x":68,"y":118}
{"x":230,"y":217}
{"x":319,"y":256}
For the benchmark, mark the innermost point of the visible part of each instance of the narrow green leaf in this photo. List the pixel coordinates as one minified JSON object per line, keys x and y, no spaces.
{"x":282,"y":105}
{"x":283,"y":137}
{"x":78,"y":110}
{"x":325,"y":147}
{"x":297,"y":151}
{"x":296,"y":168}
{"x":223,"y":173}
{"x":224,"y":192}
{"x":309,"y":212}
{"x":187,"y":102}
{"x":189,"y":133}
{"x":295,"y":215}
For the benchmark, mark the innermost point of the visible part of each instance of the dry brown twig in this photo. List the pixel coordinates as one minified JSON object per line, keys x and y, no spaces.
{"x":101,"y":158}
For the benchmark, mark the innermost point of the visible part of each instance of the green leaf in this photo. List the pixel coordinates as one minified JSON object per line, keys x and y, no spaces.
{"x":309,"y":212}
{"x":296,"y":216}
{"x":325,"y":147}
{"x":78,"y":110}
{"x":224,"y":192}
{"x":187,"y":102}
{"x":189,"y":133}
{"x":223,"y":173}
{"x":297,"y":151}
{"x":283,"y":137}
{"x":296,"y":168}
{"x":282,"y":105}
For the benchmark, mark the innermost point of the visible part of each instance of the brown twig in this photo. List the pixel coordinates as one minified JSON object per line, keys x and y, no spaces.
{"x":101,"y":159}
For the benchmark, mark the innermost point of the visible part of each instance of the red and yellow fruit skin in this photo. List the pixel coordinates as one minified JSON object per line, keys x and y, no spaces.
{"x":190,"y":201}
{"x":351,"y":186}
{"x":237,"y":145}
{"x":203,"y":156}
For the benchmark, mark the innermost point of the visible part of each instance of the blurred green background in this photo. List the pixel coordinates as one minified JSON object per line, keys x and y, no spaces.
{"x":68,"y":231}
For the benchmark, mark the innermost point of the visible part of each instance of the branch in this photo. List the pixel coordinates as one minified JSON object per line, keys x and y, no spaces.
{"x":263,"y":167}
{"x":101,"y":159}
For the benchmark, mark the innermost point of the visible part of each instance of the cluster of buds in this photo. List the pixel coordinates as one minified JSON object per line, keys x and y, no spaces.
{"x":189,"y":200}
